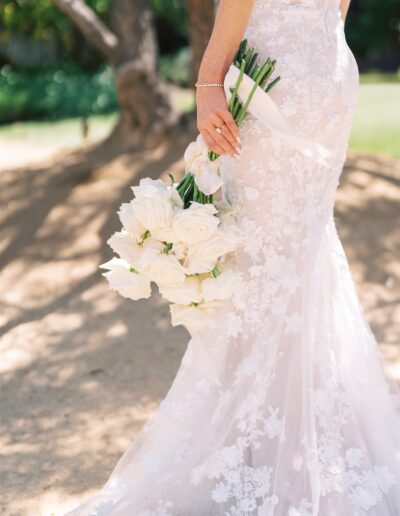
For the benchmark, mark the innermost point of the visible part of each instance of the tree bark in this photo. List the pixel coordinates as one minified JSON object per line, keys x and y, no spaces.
{"x":201,"y":21}
{"x":130,"y":47}
{"x":90,"y":25}
{"x":142,"y":94}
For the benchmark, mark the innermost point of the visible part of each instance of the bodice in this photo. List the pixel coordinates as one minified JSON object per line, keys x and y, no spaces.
{"x":306,"y":4}
{"x":298,"y":12}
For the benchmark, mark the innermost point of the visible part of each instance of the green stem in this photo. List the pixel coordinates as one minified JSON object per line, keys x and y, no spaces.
{"x":236,"y":109}
{"x":249,"y":56}
{"x":272,"y":84}
{"x":183,"y":184}
{"x":212,"y":156}
{"x":195,"y":192}
{"x":237,"y":85}
{"x":189,"y":192}
{"x":167,"y":248}
{"x":250,"y":68}
{"x":241,"y":50}
{"x":268,"y":74}
{"x":243,"y":111}
{"x":215,"y":272}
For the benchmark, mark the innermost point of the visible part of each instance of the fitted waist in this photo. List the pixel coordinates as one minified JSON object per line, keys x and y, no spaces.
{"x":295,"y":23}
{"x":295,"y":14}
{"x":306,"y":5}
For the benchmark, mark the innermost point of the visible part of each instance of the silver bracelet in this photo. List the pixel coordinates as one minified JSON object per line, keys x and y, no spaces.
{"x":209,"y":85}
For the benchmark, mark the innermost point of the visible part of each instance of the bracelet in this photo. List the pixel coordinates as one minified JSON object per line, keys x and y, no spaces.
{"x":209,"y":85}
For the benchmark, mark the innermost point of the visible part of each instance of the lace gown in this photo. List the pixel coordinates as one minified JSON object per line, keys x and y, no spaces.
{"x":281,"y":408}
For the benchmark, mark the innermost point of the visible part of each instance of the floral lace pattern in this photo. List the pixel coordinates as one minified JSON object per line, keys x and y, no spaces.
{"x":280,"y":407}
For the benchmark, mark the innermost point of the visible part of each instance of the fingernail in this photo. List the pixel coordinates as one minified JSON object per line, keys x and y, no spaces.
{"x":237,"y":156}
{"x":238,"y":139}
{"x":238,"y":150}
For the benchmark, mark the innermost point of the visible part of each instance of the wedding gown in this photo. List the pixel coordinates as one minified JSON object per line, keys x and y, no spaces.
{"x":282,"y":408}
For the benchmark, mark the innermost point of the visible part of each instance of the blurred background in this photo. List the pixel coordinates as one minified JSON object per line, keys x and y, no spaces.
{"x":94,"y":96}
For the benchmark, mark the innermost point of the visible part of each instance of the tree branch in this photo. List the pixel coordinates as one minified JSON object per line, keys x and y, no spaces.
{"x":91,"y":26}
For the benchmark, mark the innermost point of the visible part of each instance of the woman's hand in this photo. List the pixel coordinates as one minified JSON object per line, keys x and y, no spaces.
{"x":213,"y":114}
{"x":212,"y":110}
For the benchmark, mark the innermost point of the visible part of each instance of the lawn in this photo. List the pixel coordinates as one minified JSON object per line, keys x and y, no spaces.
{"x":376,"y":127}
{"x":66,"y":132}
{"x":377,"y":124}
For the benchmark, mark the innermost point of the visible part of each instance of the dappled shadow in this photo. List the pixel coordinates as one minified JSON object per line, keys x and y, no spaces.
{"x":367,"y":208}
{"x":69,"y":342}
{"x":84,"y":368}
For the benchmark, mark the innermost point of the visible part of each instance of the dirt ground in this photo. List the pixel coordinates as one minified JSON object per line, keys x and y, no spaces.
{"x":83,"y":368}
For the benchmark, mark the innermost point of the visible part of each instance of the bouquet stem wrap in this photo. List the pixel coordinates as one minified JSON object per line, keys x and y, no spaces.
{"x":266,"y":111}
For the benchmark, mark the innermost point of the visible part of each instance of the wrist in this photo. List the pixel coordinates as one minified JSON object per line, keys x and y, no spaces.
{"x":211,"y":79}
{"x":212,"y":74}
{"x":209,"y":84}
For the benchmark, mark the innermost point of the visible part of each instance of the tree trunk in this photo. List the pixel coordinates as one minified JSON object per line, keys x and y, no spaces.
{"x":130,"y":47}
{"x":146,"y":113}
{"x":201,"y":21}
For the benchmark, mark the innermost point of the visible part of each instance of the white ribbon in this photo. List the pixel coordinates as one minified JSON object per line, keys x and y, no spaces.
{"x":267,"y":112}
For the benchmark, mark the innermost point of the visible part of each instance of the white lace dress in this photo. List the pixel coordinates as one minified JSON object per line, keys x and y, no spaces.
{"x":282,"y":408}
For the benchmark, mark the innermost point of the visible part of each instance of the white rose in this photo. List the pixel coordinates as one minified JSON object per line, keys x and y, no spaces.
{"x":130,"y":222}
{"x":128,"y":284}
{"x":125,"y":246}
{"x":152,"y":204}
{"x":206,"y":176}
{"x":203,"y":257}
{"x":197,"y":149}
{"x":163,"y":269}
{"x":232,"y":230}
{"x":227,"y":212}
{"x":195,"y":224}
{"x":188,"y":292}
{"x":222,"y":287}
{"x":174,"y":196}
{"x":165,"y":234}
{"x":179,"y":249}
{"x":194,"y":318}
{"x":151,"y":243}
{"x":205,"y":171}
{"x":151,"y":186}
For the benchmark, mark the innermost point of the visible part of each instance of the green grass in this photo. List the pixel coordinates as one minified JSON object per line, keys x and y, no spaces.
{"x":376,"y":77}
{"x":66,"y":132}
{"x":376,"y":127}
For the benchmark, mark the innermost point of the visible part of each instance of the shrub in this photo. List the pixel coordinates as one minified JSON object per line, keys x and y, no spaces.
{"x":53,"y":94}
{"x":175,"y":68}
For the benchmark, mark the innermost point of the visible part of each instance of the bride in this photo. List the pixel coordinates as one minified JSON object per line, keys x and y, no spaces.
{"x":283,"y":408}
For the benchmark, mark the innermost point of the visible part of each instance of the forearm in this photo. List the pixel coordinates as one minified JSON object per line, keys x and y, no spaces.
{"x":230,"y":24}
{"x":344,"y":7}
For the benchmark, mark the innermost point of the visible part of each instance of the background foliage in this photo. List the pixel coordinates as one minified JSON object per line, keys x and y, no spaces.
{"x":55,"y":93}
{"x":373,"y":30}
{"x":49,"y":70}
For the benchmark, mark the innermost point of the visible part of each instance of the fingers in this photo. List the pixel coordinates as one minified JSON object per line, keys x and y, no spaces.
{"x":215,"y":140}
{"x":211,"y":142}
{"x":222,"y":141}
{"x":217,"y":127}
{"x":221,"y":133}
{"x":232,"y":128}
{"x":223,"y":136}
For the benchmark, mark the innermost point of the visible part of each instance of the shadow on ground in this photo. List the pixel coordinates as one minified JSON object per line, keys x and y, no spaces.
{"x":84,"y":368}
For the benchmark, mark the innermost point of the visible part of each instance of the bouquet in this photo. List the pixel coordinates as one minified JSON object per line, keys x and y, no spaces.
{"x":202,"y":166}
{"x":179,"y":236}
